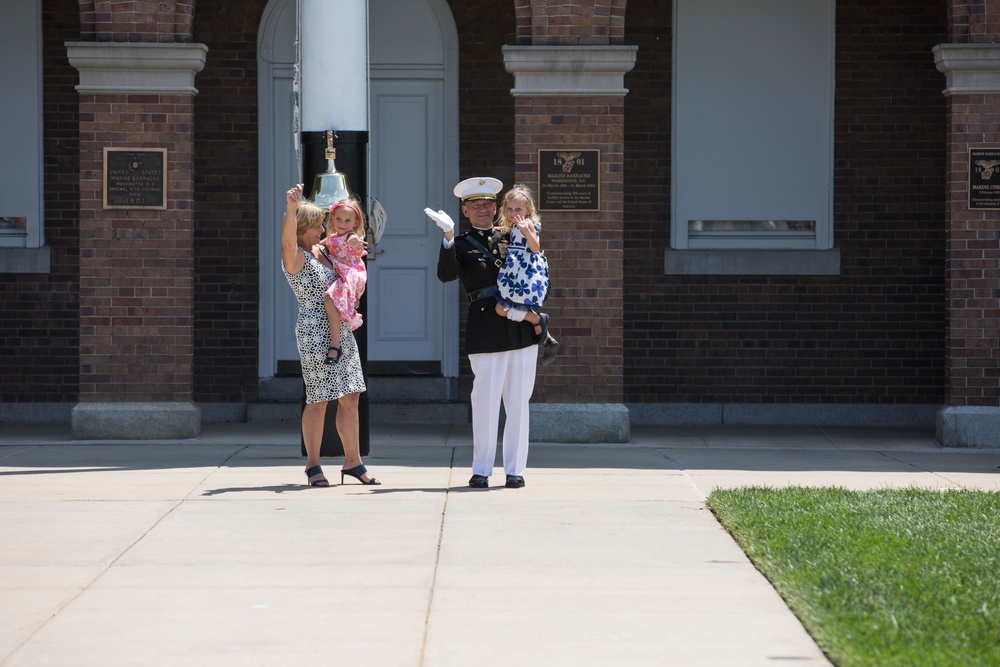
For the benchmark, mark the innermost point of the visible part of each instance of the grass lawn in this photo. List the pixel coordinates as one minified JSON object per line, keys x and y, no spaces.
{"x":905,"y":577}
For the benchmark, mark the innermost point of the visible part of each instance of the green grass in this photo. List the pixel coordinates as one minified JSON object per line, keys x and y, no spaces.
{"x":885,"y":578}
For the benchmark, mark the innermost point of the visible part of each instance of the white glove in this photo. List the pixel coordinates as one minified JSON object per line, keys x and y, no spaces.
{"x":441,"y":219}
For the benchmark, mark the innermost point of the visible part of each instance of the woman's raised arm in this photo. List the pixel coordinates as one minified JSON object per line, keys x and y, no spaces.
{"x":291,"y":256}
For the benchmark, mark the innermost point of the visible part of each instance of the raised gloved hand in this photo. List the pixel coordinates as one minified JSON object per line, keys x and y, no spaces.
{"x":441,"y":219}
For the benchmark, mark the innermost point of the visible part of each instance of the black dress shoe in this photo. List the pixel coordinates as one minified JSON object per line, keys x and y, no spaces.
{"x":514,"y":482}
{"x":479,"y":482}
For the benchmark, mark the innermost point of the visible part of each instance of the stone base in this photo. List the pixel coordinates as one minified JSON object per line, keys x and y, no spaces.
{"x":135,"y":421}
{"x":790,"y":414}
{"x":969,"y":427}
{"x":579,"y":422}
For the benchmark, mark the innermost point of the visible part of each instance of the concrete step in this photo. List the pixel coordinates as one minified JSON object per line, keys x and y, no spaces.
{"x":381,"y":388}
{"x":391,"y":400}
{"x":388,"y":412}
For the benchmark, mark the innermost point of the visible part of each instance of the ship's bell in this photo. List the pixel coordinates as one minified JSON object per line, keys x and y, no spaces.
{"x":331,"y":186}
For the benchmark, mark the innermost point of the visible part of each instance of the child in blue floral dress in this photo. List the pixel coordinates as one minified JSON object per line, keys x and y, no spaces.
{"x":523,"y":282}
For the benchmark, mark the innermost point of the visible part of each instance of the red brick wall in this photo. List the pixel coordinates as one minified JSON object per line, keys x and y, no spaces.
{"x":39,"y":333}
{"x":227,"y":276}
{"x":973,"y":236}
{"x":572,"y":22}
{"x":977,"y":21}
{"x":136,"y":269}
{"x":973,"y":263}
{"x":486,"y":108}
{"x":584,"y":249}
{"x":135,"y":20}
{"x":874,"y":334}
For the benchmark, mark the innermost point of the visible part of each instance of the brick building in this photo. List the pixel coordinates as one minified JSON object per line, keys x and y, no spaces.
{"x":787,"y":217}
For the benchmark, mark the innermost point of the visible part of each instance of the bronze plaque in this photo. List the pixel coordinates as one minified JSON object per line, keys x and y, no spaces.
{"x":135,"y":178}
{"x":984,"y":178}
{"x":569,"y":180}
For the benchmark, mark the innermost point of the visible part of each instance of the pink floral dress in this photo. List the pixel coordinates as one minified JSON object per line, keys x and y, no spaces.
{"x":352,"y":276}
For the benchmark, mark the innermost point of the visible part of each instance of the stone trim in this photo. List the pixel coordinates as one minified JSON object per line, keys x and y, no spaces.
{"x":969,"y":69}
{"x":792,"y":414}
{"x":569,"y":70}
{"x":25,"y":260}
{"x":973,"y":426}
{"x":579,"y":422}
{"x":751,"y":262}
{"x":135,"y":421}
{"x":151,"y":68}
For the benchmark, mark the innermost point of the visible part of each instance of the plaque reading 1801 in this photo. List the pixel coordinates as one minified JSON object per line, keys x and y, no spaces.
{"x":135,"y":178}
{"x":569,"y":180}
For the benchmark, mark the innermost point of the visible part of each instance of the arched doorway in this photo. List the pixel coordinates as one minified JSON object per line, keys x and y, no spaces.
{"x":413,"y":139}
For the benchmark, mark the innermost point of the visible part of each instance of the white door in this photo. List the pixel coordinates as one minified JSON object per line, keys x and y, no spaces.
{"x":278,"y":170}
{"x":413,"y":143}
{"x":404,"y":295}
{"x":413,"y":105}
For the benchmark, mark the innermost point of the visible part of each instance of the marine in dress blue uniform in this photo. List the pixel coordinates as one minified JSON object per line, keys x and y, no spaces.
{"x":503,"y":353}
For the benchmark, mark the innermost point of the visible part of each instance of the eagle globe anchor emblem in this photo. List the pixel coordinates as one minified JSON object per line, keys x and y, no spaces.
{"x":987,"y":168}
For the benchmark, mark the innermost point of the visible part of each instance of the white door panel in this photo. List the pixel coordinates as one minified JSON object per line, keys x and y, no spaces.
{"x":399,"y":290}
{"x":407,"y":167}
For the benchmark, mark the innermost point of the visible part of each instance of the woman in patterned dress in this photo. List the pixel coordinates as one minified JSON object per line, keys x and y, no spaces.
{"x":309,"y":275}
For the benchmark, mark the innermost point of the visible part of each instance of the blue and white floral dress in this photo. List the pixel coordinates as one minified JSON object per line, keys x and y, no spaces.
{"x":524,"y":277}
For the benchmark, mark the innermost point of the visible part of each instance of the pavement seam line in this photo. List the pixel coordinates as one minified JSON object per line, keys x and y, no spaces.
{"x":683,"y":471}
{"x":87,"y":586}
{"x":18,"y":452}
{"x":437,"y":560}
{"x":952,"y":483}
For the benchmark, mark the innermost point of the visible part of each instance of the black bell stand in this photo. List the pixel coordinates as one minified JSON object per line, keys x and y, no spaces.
{"x":352,"y":161}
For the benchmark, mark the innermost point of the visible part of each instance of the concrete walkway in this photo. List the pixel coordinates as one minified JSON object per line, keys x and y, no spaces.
{"x":212,"y":552}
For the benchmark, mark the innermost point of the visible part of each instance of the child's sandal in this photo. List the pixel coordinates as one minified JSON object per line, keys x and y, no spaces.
{"x":332,"y":361}
{"x":543,"y":325}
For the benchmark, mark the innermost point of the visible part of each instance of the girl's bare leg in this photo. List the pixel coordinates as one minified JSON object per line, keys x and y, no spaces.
{"x":333,"y":315}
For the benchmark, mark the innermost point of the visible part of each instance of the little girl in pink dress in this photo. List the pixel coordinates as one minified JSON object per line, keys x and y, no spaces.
{"x":344,"y":247}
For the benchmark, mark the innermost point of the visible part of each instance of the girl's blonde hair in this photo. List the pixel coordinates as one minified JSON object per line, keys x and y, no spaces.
{"x":307,"y":216}
{"x":355,"y":205}
{"x":523,"y":191}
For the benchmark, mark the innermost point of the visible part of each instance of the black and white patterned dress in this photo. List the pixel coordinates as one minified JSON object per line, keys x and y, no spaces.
{"x":312,"y":334}
{"x":524,"y":277}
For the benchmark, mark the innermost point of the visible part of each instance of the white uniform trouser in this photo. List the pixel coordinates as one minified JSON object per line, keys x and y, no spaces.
{"x":509,"y":376}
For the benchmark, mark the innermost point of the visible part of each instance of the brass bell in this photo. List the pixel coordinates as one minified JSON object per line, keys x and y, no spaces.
{"x":331,"y":186}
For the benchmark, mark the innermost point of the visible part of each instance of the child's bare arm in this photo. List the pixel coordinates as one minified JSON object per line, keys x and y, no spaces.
{"x":355,"y":242}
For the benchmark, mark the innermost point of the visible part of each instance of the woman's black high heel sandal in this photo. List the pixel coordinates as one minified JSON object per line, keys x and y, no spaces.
{"x":331,"y":361}
{"x":315,"y":477}
{"x":357,"y":473}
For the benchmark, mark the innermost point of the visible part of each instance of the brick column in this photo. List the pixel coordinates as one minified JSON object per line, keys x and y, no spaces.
{"x":136,"y":265}
{"x":566,"y":98}
{"x":971,"y":414}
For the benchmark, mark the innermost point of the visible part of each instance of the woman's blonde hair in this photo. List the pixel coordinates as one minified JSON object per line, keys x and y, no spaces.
{"x":523,"y":191}
{"x":307,"y":216}
{"x":355,"y":205}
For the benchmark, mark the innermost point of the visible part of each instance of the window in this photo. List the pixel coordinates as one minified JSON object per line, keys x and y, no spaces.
{"x":21,"y":173}
{"x":753,"y":125}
